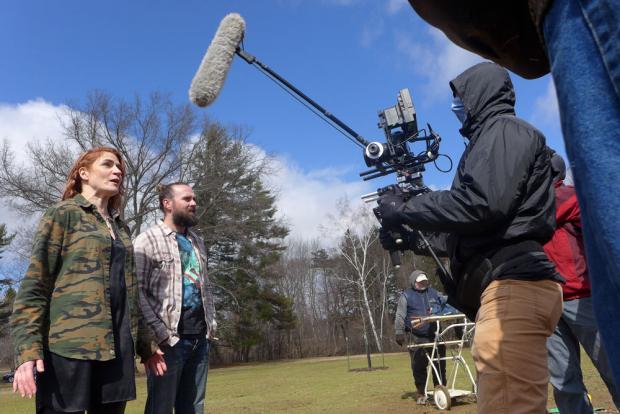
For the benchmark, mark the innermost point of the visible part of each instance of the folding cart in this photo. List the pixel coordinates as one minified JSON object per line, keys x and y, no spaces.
{"x":454,"y":339}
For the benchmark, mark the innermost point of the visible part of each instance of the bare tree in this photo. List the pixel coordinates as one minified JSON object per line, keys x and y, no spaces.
{"x":31,"y":189}
{"x":302,"y":282}
{"x":153,"y":135}
{"x":385,"y":272}
{"x":360,"y":234}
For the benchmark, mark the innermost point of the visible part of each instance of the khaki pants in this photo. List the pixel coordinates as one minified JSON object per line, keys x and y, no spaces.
{"x":512,"y":326}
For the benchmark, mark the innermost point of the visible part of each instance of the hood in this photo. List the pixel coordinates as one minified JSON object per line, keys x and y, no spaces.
{"x":558,"y":168}
{"x":486,"y":91}
{"x":413,"y":276}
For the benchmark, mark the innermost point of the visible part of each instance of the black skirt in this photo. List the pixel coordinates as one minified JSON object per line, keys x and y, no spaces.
{"x":69,"y":384}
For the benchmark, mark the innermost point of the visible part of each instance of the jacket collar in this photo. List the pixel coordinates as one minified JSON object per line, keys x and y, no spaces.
{"x":168,"y":231}
{"x":164,"y":228}
{"x":81,"y":201}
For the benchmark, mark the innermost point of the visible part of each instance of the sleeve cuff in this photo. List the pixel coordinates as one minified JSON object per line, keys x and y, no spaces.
{"x":29,"y":354}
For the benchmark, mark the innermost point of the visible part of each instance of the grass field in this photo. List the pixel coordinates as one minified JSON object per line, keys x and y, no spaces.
{"x":320,"y":385}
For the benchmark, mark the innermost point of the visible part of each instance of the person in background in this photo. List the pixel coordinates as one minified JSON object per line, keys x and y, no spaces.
{"x":577,"y":326}
{"x":75,"y":316}
{"x":419,"y":300}
{"x":177,"y":302}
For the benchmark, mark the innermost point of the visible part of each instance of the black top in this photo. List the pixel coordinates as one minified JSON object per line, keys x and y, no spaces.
{"x":192,"y":323}
{"x":502,"y":193}
{"x":75,"y":385}
{"x":123,"y":342}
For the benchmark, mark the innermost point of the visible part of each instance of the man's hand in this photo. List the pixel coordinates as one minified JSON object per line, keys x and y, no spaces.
{"x":211,"y":335}
{"x":24,"y":382}
{"x":156,"y":364}
{"x":400,"y":339}
{"x":387,"y":239}
{"x":389,"y":207}
{"x":417,"y":323}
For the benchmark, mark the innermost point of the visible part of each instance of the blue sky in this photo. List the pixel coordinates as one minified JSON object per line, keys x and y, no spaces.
{"x":351,"y":56}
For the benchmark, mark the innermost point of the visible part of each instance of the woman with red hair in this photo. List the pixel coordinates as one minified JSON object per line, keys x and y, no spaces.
{"x":76,"y":311}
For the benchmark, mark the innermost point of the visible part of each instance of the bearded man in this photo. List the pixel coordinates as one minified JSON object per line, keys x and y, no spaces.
{"x":177,"y":303}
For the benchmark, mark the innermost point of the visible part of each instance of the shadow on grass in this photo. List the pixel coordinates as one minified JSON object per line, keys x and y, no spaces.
{"x":456,"y":402}
{"x":409,"y":395}
{"x":368,"y":369}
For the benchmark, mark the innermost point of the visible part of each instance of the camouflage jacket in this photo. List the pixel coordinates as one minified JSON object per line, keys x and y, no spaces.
{"x":63,"y":304}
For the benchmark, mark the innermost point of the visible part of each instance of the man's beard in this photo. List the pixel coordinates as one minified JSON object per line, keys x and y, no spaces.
{"x":183,"y":219}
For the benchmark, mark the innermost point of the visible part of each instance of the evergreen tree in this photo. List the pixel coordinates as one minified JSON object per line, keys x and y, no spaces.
{"x":6,"y":303}
{"x":5,"y":238}
{"x":6,"y":308}
{"x":243,"y":238}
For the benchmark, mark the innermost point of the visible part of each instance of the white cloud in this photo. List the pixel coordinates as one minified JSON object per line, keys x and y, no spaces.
{"x":394,"y":6}
{"x":436,"y":59}
{"x":21,"y":124}
{"x":28,"y":122}
{"x":306,"y":199}
{"x":546,"y":109}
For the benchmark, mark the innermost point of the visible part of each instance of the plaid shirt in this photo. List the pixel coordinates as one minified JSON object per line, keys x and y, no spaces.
{"x":160,"y":282}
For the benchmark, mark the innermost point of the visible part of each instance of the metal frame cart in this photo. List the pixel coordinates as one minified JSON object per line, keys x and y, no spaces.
{"x":447,"y":324}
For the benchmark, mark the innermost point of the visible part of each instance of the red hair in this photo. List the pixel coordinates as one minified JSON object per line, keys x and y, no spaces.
{"x":86,"y":160}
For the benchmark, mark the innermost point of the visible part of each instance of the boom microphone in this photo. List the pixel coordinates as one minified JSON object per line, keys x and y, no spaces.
{"x":211,"y":74}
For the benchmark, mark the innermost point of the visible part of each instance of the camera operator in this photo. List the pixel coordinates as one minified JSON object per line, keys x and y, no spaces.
{"x":577,"y":41}
{"x":492,"y":224}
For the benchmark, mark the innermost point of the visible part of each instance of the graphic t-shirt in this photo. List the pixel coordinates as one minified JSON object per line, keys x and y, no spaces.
{"x":192,"y":312}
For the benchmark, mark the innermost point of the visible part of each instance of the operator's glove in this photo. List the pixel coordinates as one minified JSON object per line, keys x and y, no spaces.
{"x":388,"y":211}
{"x":387,"y":238}
{"x":400,"y":339}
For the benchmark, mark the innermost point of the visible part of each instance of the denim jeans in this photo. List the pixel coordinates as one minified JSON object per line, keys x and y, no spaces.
{"x":583,"y":44}
{"x":183,"y":386}
{"x":576,"y":326}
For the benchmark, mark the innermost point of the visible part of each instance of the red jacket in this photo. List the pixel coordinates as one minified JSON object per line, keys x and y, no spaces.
{"x":566,"y":248}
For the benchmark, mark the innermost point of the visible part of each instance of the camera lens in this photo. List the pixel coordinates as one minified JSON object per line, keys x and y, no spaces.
{"x":374,"y":150}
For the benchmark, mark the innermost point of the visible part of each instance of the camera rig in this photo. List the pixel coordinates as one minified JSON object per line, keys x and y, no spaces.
{"x":400,"y":126}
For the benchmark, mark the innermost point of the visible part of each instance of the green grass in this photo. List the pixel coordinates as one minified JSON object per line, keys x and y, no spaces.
{"x":320,"y":385}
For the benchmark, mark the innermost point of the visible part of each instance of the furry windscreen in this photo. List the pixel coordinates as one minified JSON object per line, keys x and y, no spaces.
{"x":211,"y":74}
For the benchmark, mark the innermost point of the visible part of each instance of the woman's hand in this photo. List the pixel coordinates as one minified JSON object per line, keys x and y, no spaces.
{"x":24,"y":382}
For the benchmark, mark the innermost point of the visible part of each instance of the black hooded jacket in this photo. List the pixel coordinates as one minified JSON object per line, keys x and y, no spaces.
{"x":502,"y":193}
